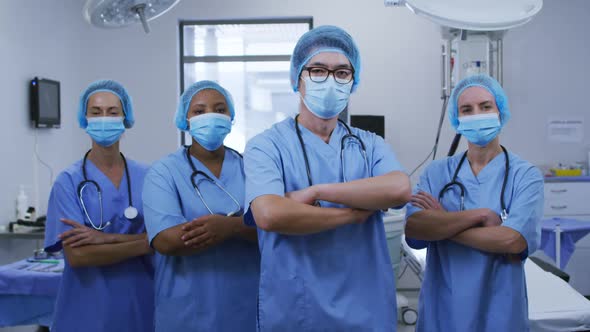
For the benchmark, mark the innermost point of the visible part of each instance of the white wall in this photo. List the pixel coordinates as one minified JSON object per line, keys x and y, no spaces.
{"x":47,"y":44}
{"x":545,"y":74}
{"x":37,"y":38}
{"x":400,"y":59}
{"x":545,"y":71}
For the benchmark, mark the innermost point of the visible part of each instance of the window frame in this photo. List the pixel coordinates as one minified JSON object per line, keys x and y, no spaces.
{"x":189,"y":59}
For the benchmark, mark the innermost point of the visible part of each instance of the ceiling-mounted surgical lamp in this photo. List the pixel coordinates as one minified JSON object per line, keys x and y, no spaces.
{"x":466,"y":23}
{"x":474,"y":15}
{"x":118,"y":13}
{"x":472,"y":32}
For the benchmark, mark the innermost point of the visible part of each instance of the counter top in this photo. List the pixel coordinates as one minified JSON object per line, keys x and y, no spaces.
{"x":567,"y":179}
{"x":24,"y":236}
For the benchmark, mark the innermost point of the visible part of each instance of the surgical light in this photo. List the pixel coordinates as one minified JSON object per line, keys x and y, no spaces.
{"x":119,"y":13}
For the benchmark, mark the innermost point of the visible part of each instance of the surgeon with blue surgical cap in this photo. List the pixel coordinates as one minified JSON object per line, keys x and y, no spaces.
{"x":207,"y":261}
{"x":96,"y":217}
{"x":478,"y":213}
{"x":316,"y":189}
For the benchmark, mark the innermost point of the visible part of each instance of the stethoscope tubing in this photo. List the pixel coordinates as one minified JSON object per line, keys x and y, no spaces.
{"x":349,"y":135}
{"x":196,"y":172}
{"x":82,"y":185}
{"x":462,"y":190}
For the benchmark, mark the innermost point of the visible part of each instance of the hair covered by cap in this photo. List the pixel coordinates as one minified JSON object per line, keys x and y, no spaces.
{"x":324,"y":38}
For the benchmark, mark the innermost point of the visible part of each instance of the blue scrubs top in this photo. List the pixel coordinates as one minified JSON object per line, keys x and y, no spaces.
{"x":465,"y":289}
{"x":214,"y":290}
{"x":336,"y":280}
{"x":117,"y":297}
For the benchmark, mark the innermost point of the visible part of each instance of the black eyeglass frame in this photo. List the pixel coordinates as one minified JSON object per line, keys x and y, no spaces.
{"x":333,"y":72}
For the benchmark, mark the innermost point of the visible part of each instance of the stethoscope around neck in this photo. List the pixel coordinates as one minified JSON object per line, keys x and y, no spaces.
{"x":348,"y":135}
{"x":462,"y":190}
{"x":196,"y":172}
{"x":130,"y":212}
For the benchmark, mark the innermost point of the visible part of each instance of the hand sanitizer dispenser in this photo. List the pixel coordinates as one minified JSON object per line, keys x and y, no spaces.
{"x":22,"y":204}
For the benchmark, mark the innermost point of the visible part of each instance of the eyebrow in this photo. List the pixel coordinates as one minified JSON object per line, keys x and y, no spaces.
{"x":480,"y":104}
{"x":214,"y":105}
{"x":98,"y":108}
{"x":339,"y":66}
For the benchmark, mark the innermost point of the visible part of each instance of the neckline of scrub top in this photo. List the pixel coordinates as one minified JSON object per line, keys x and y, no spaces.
{"x":313,"y":140}
{"x":105,"y":178}
{"x":222,"y":174}
{"x":489,"y":171}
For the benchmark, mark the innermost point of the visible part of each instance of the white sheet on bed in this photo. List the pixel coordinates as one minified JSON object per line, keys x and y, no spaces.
{"x":417,"y":255}
{"x":553,"y":304}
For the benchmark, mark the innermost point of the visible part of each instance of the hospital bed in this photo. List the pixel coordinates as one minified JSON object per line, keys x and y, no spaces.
{"x":553,"y":304}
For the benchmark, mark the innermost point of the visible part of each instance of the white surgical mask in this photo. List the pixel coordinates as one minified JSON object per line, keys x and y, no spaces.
{"x":210,"y":129}
{"x":326,"y":99}
{"x":479,"y":129}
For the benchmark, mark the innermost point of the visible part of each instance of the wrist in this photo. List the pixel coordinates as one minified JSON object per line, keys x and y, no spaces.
{"x":113,"y":238}
{"x":352,"y":216}
{"x":148,"y":250}
{"x":317,"y":191}
{"x":479,"y":217}
{"x":235,"y":226}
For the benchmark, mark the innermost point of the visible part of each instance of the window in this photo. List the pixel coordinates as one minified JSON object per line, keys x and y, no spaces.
{"x":250,"y":58}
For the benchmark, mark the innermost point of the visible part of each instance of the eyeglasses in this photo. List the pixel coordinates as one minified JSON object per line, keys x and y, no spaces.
{"x":320,"y":74}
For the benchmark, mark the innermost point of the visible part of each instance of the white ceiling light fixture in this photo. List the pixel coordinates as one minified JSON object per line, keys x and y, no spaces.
{"x":475,"y":15}
{"x":118,"y":13}
{"x":472,"y":32}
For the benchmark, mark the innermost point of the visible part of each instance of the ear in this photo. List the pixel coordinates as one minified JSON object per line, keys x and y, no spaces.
{"x":301,"y":84}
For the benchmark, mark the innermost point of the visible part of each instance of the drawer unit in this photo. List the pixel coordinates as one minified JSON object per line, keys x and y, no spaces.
{"x":567,"y":198}
{"x":571,"y":200}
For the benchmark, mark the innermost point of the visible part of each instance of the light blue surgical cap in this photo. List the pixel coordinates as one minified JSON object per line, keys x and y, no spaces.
{"x":485,"y":82}
{"x":187,"y":96}
{"x":326,"y":38}
{"x":106,"y":86}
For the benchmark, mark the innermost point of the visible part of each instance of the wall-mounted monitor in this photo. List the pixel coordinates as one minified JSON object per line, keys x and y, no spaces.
{"x":45,"y":103}
{"x":374,"y":123}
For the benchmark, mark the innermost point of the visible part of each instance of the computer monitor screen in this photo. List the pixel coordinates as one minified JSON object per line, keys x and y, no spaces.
{"x":45,"y":103}
{"x":373,"y":123}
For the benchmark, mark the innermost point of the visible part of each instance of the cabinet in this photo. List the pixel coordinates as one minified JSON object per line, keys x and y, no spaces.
{"x":567,"y":199}
{"x":571,"y":200}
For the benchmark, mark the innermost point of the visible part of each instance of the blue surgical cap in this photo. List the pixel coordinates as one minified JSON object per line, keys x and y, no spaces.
{"x":106,"y":86}
{"x":485,"y":82}
{"x":326,"y":38}
{"x":187,"y":96}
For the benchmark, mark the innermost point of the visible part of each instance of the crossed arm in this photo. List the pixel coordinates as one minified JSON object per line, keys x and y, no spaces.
{"x":85,"y":246}
{"x":296,"y":214}
{"x":477,"y":228}
{"x":200,"y":234}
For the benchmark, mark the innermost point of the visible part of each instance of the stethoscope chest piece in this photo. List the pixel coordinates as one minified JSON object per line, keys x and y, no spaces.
{"x":130,"y":212}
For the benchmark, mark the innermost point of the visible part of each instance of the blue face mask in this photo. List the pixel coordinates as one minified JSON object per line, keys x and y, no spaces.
{"x":327,"y":99}
{"x":105,"y":130}
{"x":479,"y":129}
{"x":210,"y":129}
